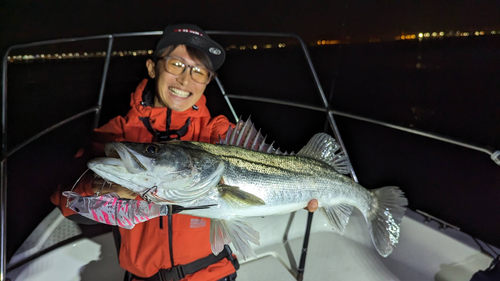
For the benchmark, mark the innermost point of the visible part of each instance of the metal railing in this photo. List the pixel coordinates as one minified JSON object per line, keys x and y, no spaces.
{"x":494,"y":154}
{"x":6,"y":152}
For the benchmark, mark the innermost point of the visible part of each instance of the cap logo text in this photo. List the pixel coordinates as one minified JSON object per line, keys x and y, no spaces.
{"x":188,"y":31}
{"x":215,"y":51}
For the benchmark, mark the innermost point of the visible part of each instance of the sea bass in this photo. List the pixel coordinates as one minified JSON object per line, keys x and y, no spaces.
{"x":228,"y":183}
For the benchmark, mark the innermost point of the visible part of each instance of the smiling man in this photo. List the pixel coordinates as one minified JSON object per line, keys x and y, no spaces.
{"x":170,"y":104}
{"x":180,"y":77}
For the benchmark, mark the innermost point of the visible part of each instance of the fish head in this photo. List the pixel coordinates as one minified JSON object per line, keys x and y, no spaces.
{"x":140,"y":166}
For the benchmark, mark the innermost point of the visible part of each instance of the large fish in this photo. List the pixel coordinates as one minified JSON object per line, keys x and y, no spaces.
{"x":228,"y":183}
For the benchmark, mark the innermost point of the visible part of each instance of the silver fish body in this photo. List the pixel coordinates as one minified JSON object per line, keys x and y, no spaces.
{"x":285,"y":183}
{"x":237,"y":183}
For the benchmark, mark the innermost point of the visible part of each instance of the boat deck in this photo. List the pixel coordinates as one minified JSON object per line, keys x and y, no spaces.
{"x":424,"y":252}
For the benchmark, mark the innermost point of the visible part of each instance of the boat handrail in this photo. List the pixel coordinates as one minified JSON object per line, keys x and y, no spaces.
{"x":494,"y":154}
{"x":97,"y":109}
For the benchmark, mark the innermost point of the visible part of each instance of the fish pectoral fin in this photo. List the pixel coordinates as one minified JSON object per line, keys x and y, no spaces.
{"x":338,"y":216}
{"x":238,"y":232}
{"x":237,"y":197}
{"x":186,"y":190}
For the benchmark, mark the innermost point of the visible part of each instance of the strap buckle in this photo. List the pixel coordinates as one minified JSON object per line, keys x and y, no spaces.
{"x":230,"y":257}
{"x":175,"y":273}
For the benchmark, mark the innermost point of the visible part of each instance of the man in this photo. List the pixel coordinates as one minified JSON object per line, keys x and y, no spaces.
{"x":169,"y":105}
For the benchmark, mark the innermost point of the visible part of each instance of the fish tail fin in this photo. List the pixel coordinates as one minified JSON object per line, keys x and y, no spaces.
{"x":238,"y":232}
{"x":384,"y":218}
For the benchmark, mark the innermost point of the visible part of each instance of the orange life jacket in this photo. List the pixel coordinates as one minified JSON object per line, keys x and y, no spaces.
{"x":145,"y":248}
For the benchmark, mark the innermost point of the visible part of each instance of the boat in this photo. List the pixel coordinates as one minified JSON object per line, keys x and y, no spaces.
{"x":38,"y":243}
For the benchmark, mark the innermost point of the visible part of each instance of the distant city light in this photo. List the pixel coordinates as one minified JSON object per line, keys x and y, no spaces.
{"x":76,"y":55}
{"x":428,"y":35}
{"x":84,"y":55}
{"x":326,"y":42}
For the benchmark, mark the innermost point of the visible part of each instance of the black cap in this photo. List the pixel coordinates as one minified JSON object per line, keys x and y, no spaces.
{"x":191,"y":35}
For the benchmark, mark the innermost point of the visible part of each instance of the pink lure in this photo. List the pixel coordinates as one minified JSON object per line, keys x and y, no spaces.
{"x":111,"y":209}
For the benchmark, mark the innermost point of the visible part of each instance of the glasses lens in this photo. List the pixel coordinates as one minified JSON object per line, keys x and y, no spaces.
{"x":200,"y":75}
{"x":177,"y":67}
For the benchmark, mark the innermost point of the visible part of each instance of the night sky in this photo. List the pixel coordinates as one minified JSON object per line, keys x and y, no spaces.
{"x":27,"y":21}
{"x":437,"y":96}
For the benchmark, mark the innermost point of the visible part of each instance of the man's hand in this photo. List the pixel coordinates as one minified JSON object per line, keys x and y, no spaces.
{"x":312,"y":205}
{"x":97,"y":184}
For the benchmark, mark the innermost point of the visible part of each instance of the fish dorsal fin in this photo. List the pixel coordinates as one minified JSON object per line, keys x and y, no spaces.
{"x":324,"y":148}
{"x":245,"y":135}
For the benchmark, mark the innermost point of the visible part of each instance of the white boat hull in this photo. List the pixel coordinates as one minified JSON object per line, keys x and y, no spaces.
{"x":423,"y":253}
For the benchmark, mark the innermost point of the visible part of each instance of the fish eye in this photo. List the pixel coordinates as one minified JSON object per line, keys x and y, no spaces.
{"x":152,"y":149}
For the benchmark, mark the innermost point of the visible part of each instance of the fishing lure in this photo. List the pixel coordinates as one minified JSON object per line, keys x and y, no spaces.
{"x":113,"y":210}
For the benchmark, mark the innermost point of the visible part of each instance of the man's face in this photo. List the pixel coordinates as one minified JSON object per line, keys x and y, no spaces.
{"x":175,"y":92}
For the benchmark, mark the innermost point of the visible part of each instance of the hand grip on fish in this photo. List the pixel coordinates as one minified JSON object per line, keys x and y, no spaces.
{"x":240,"y":180}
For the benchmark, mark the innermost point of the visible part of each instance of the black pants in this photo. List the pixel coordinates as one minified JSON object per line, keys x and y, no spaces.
{"x":231,"y":277}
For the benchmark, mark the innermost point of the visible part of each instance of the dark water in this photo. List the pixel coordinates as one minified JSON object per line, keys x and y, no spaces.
{"x":449,"y":87}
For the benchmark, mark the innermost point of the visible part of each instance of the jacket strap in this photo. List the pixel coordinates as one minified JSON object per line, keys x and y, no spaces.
{"x":180,"y":271}
{"x":168,"y":134}
{"x":147,"y":124}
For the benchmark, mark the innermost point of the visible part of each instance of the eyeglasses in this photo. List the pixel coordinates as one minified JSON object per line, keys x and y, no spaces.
{"x":177,"y":67}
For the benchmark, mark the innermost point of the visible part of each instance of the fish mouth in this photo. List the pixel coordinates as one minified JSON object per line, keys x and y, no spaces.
{"x":118,"y":154}
{"x":125,"y":166}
